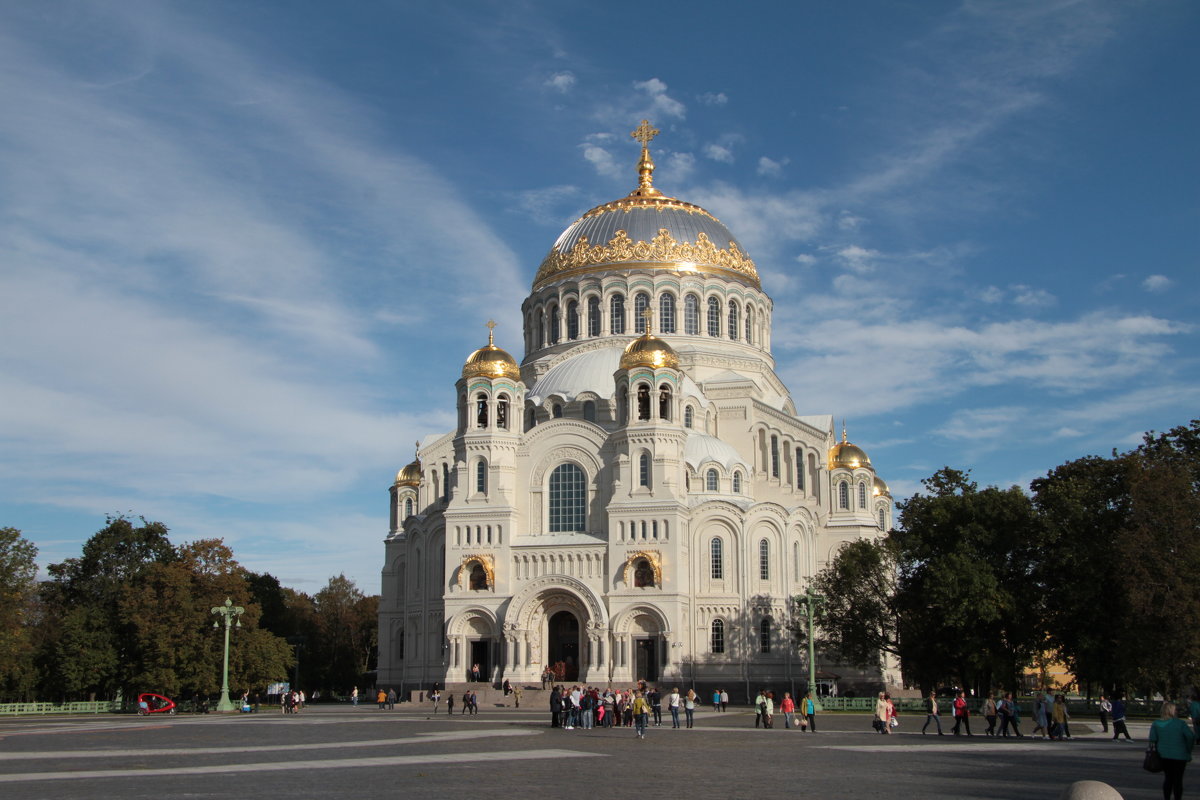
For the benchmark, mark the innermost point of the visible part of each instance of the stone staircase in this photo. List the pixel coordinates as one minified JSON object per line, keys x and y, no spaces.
{"x":532,"y":696}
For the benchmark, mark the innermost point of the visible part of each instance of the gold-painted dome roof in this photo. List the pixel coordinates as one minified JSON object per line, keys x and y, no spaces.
{"x":410,"y":475}
{"x":845,"y":454}
{"x":646,"y":230}
{"x":491,"y":361}
{"x":649,"y":351}
{"x":881,"y":488}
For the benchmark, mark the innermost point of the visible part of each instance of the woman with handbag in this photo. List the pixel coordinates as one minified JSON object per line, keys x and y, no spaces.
{"x":1173,"y":739}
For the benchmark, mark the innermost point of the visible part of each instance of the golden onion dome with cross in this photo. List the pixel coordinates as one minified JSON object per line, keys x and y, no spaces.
{"x":491,"y":361}
{"x":648,"y":350}
{"x":881,"y":488}
{"x":847,"y":455}
{"x":646,"y":230}
{"x":410,"y":475}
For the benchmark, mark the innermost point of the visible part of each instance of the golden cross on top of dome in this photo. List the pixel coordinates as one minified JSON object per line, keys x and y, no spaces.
{"x":648,"y":315}
{"x":644,"y":133}
{"x":491,"y":326}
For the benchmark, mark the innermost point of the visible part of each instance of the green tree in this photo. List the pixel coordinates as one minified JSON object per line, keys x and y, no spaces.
{"x":18,"y":609}
{"x":346,"y":630}
{"x":858,"y":618}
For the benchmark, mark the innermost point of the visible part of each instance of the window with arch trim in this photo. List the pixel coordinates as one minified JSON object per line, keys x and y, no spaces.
{"x":554,"y":327}
{"x":481,"y":410}
{"x":844,"y":495}
{"x":568,"y":498}
{"x":737,"y":483}
{"x":481,"y":476}
{"x":714,"y":317}
{"x":716,"y":555}
{"x":664,"y":402}
{"x":641,"y":302}
{"x":593,"y":316}
{"x":666,"y":313}
{"x":733,"y":319}
{"x":643,"y":402}
{"x":710,"y":481}
{"x":573,"y":320}
{"x":774,"y":456}
{"x":764,"y":636}
{"x":691,"y":315}
{"x":616,"y":313}
{"x":749,"y":324}
{"x":717,"y":637}
{"x":556,"y":411}
{"x":882,"y":518}
{"x":408,"y":509}
{"x":764,"y":560}
{"x":862,"y":494}
{"x":644,"y":470}
{"x":800,"y":468}
{"x":446,"y":482}
{"x":502,"y":412}
{"x":589,"y":410}
{"x":687,"y":417}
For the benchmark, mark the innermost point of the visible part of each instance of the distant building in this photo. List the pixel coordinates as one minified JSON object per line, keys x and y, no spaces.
{"x":639,"y":497}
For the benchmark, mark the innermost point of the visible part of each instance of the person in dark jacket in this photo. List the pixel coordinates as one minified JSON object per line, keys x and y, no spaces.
{"x":555,"y":706}
{"x":1118,"y":720}
{"x":1174,"y":739}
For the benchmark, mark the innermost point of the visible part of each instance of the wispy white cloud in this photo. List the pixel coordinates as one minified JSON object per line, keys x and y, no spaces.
{"x":770,"y":167}
{"x":716,"y":152}
{"x":1031,"y":296}
{"x":662,"y":102}
{"x":1157,"y":283}
{"x":561,"y":82}
{"x":858,"y":259}
{"x":714,"y":99}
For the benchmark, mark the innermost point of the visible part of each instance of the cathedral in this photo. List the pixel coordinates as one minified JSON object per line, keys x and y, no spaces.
{"x":637,"y":498}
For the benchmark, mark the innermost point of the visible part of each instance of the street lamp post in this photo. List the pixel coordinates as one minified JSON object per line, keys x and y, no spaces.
{"x":808,"y":609}
{"x":230,"y":613}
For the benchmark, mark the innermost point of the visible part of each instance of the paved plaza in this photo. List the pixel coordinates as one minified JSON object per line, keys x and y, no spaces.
{"x":362,"y":753}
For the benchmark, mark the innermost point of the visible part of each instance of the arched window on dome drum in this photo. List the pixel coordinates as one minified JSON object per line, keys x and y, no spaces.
{"x":666,"y":313}
{"x":774,"y":456}
{"x":717,"y":556}
{"x":862,"y":494}
{"x":568,"y":498}
{"x":556,"y":411}
{"x":554,"y":329}
{"x":641,"y":302}
{"x":644,"y":470}
{"x":502,"y":412}
{"x":541,"y":330}
{"x":749,"y":325}
{"x":478,"y":578}
{"x":616,"y":312}
{"x":799,"y":469}
{"x":573,"y":320}
{"x":643,"y":401}
{"x":589,"y":411}
{"x":733,"y":320}
{"x":481,"y":476}
{"x":714,"y":317}
{"x":710,"y":481}
{"x":717,"y":638}
{"x":481,"y":410}
{"x":664,"y":402}
{"x":593,"y":312}
{"x":691,"y":315}
{"x":737,"y":483}
{"x":764,"y":636}
{"x":643,"y":574}
{"x":688,"y":415}
{"x":408,"y":509}
{"x":764,"y":560}
{"x":844,"y":495}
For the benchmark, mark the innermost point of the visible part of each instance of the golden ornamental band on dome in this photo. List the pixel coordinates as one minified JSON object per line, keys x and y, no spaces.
{"x":847,"y":455}
{"x":647,"y":230}
{"x":491,"y":361}
{"x":648,"y":350}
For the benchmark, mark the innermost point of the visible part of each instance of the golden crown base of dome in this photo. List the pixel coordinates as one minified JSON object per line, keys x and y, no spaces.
{"x":663,"y":251}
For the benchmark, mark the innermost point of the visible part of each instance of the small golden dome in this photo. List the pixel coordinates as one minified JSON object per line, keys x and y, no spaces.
{"x":648,"y":350}
{"x":410,"y":475}
{"x":850,"y":456}
{"x":881,"y":488}
{"x":491,"y":361}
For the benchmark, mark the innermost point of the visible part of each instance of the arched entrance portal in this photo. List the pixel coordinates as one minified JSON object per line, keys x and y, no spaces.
{"x":562,"y":634}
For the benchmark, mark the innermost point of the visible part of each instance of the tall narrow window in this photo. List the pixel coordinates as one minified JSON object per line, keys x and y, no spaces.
{"x":691,"y":315}
{"x":446,"y":482}
{"x":710,"y":481}
{"x":541,"y":330}
{"x":643,"y":401}
{"x":717,"y":557}
{"x":481,"y":410}
{"x":623,"y":406}
{"x":799,"y":468}
{"x":664,"y":402}
{"x":733,"y":320}
{"x":554,"y":329}
{"x":687,"y":417}
{"x":717,"y":641}
{"x":714,"y":317}
{"x":556,"y":411}
{"x":862,"y":494}
{"x":573,"y":320}
{"x":774,"y":456}
{"x":844,"y":495}
{"x":764,"y":560}
{"x":617,"y":313}
{"x":882,"y":518}
{"x":408,"y":510}
{"x":737,"y":483}
{"x":593,"y":316}
{"x":764,"y":636}
{"x":568,"y":498}
{"x":481,"y":476}
{"x":641,"y":302}
{"x":666,"y":313}
{"x":644,"y":470}
{"x":749,"y":325}
{"x":589,"y":410}
{"x":502,"y":412}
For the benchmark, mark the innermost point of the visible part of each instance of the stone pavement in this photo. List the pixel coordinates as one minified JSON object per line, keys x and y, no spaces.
{"x":336,"y":751}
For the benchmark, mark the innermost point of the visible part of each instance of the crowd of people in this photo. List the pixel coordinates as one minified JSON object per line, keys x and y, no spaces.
{"x":587,"y":707}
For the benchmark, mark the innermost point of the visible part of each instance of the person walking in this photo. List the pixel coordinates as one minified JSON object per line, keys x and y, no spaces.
{"x":1105,"y":711}
{"x":673,"y":702}
{"x":354,"y":696}
{"x":716,"y":699}
{"x":391,"y":700}
{"x":882,"y":713}
{"x":787,"y":707}
{"x":555,"y":706}
{"x":381,"y":699}
{"x":1009,"y":716}
{"x":1193,"y":712}
{"x":931,"y":714}
{"x":689,"y":705}
{"x":1119,"y":720}
{"x":641,"y":713}
{"x":1174,"y":740}
{"x":962,"y":714}
{"x":758,"y":707}
{"x":724,"y":700}
{"x":435,"y":697}
{"x":808,"y":712}
{"x":1041,"y":716}
{"x":989,"y":713}
{"x":450,"y":703}
{"x":654,"y":698}
{"x":1060,"y":718}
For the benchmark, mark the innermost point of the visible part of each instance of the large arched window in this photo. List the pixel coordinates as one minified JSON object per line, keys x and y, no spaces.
{"x":573,"y":320}
{"x":593,"y":316}
{"x":714,"y":317}
{"x":710,"y":480}
{"x":644,"y":470}
{"x":502,"y":412}
{"x":844,"y":495}
{"x":749,"y":325}
{"x":641,"y":302}
{"x":733,"y":319}
{"x":737,"y":483}
{"x":481,"y":476}
{"x":666,"y":313}
{"x":862,"y":494}
{"x":717,"y":639}
{"x":481,"y":410}
{"x":764,"y":560}
{"x":717,"y":556}
{"x":616,"y":313}
{"x":568,"y":498}
{"x":691,"y":315}
{"x":687,"y":417}
{"x":764,"y":636}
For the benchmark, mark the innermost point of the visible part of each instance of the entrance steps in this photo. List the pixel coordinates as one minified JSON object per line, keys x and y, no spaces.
{"x":488,"y":696}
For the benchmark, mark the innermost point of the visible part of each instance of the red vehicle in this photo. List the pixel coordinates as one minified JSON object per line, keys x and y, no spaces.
{"x":151,"y":703}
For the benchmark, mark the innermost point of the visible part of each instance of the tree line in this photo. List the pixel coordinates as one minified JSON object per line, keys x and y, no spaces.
{"x":133,"y":613}
{"x":1097,"y":566}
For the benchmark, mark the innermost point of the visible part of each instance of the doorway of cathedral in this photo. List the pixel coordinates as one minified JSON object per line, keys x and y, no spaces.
{"x":562,"y":631}
{"x":646,"y":660}
{"x":479,"y":655}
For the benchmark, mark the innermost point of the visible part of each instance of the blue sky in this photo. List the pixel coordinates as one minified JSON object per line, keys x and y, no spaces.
{"x":245,"y":247}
